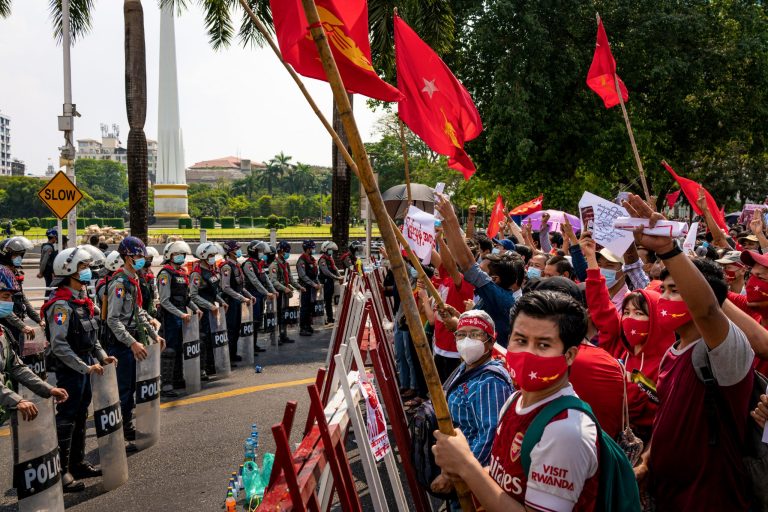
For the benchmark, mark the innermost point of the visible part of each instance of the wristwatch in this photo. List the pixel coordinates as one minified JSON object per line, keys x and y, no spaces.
{"x":671,"y":253}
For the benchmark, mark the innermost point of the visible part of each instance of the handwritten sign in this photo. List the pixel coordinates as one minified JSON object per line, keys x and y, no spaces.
{"x":598,"y":215}
{"x":419,"y":231}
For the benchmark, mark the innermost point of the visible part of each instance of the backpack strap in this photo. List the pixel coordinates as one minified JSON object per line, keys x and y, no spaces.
{"x":536,"y":429}
{"x":703,"y":369}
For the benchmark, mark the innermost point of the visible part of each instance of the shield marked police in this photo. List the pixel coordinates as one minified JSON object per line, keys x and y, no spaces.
{"x":270,"y":319}
{"x":33,"y":353}
{"x":220,"y":342}
{"x":37,"y":470}
{"x":190,"y":350}
{"x":148,"y":398}
{"x":245,"y":341}
{"x":108,"y":420}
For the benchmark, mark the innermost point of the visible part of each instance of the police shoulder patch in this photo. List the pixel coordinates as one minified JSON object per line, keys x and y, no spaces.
{"x":225,"y":270}
{"x":163,"y":280}
{"x":196,"y":280}
{"x":119,"y":290}
{"x":60,"y":314}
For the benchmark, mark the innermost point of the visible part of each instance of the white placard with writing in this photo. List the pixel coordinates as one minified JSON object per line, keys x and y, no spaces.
{"x":419,"y":231}
{"x":598,"y":215}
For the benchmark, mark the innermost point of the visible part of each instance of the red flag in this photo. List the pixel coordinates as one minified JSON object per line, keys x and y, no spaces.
{"x":346,"y":26}
{"x":672,"y":198}
{"x":691,"y":190}
{"x":436,"y":106}
{"x":602,"y":77}
{"x":532,"y":206}
{"x":496,"y":216}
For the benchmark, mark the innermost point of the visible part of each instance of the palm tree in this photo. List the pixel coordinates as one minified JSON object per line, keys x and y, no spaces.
{"x":276,"y":169}
{"x":301,"y":180}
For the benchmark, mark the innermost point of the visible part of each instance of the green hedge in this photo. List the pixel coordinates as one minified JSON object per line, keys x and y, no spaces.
{"x":207,"y":222}
{"x":81,"y":223}
{"x":259,"y":222}
{"x":47,"y":222}
{"x":227,"y":222}
{"x":185,"y":223}
{"x":117,"y":223}
{"x":34,"y":222}
{"x":245,"y":222}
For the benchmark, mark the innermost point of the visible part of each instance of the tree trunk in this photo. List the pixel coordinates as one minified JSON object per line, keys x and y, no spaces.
{"x":136,"y":107}
{"x":340,"y":197}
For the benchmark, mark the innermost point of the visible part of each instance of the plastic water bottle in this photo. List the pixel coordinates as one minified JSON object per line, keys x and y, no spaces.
{"x":255,"y":441}
{"x":254,"y":429}
{"x":250,"y":452}
{"x":240,"y":478}
{"x":231,"y":502}
{"x":233,"y":487}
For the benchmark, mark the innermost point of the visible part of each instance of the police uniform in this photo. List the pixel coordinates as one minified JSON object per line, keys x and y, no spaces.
{"x":72,"y":329}
{"x":48,"y":253}
{"x":329,"y":274}
{"x":173,"y":291}
{"x":127,"y":323}
{"x":233,"y":287}
{"x":204,"y":291}
{"x":14,"y":370}
{"x":284,"y":283}
{"x":147,"y":285}
{"x":306,"y":268}
{"x":258,"y":285}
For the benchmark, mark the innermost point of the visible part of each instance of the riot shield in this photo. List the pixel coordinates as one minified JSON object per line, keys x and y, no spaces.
{"x":37,"y":470}
{"x":108,"y":420}
{"x":220,"y":342}
{"x":33,"y":352}
{"x":245,"y":341}
{"x":190,"y":350}
{"x":148,"y":398}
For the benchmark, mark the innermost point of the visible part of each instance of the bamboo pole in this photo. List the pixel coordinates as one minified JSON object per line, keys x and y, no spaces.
{"x":390,"y":241}
{"x":405,"y":161}
{"x":632,"y":141}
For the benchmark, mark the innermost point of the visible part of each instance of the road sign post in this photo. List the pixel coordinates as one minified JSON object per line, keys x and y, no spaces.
{"x":60,"y":195}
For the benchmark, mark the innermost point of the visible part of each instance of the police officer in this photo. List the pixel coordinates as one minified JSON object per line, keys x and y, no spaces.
{"x":329,"y":274}
{"x":72,"y":329}
{"x":350,"y":260}
{"x":128,"y":325}
{"x":306,"y":268}
{"x":173,"y":290}
{"x":47,"y":254}
{"x":232,"y":286}
{"x":282,"y":280}
{"x":257,"y":284}
{"x":12,"y":252}
{"x":147,"y":284}
{"x":205,"y":291}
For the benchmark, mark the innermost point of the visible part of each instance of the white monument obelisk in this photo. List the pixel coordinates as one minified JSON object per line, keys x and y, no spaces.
{"x":171,"y":182}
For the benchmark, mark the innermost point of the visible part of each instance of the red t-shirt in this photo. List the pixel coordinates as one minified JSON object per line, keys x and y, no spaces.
{"x":597,"y":378}
{"x":687,"y":473}
{"x":564,"y":464}
{"x":445,"y":343}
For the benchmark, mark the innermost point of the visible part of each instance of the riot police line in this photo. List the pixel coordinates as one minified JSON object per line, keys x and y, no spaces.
{"x":117,"y":338}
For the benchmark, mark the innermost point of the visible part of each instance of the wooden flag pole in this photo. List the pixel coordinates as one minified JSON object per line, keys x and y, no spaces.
{"x":402,"y":282}
{"x":632,"y":141}
{"x":405,"y":161}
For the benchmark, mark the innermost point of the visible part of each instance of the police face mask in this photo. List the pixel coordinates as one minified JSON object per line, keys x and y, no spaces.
{"x":17,"y":261}
{"x":179,"y":259}
{"x":211,"y":260}
{"x":139,"y":263}
{"x":85,"y":275}
{"x":6,"y":308}
{"x":239,"y":253}
{"x":264,"y":258}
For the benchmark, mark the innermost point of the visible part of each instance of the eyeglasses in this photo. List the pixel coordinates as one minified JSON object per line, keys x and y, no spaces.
{"x":475,"y":335}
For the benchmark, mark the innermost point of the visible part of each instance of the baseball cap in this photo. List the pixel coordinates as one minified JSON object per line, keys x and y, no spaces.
{"x":730,"y":258}
{"x":750,"y":258}
{"x":507,"y":244}
{"x":751,"y":238}
{"x":610,"y":256}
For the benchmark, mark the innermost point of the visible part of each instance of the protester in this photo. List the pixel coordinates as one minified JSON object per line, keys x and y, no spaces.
{"x":611,"y":268}
{"x":559,"y":266}
{"x":734,"y":271}
{"x":684,"y":468}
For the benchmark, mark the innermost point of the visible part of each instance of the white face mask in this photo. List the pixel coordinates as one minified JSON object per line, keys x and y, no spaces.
{"x":212,"y":260}
{"x":470,"y":350}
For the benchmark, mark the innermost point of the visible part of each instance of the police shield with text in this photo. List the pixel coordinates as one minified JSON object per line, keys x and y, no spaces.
{"x":72,"y":329}
{"x":282,"y":280}
{"x":306,"y":268}
{"x":258,"y":284}
{"x":232,"y":287}
{"x":205,"y":292}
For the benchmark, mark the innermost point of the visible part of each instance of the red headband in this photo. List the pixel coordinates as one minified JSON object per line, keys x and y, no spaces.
{"x":475,"y":321}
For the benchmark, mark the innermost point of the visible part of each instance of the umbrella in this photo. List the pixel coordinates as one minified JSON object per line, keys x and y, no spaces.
{"x":396,"y":199}
{"x":556,"y":218}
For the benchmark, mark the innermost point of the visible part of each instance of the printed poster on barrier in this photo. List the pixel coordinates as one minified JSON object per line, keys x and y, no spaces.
{"x":377,"y":424}
{"x":597,"y":215}
{"x":419,"y":231}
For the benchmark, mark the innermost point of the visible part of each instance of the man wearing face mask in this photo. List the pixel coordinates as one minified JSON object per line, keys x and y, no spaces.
{"x":12,"y":253}
{"x":734,"y":271}
{"x":129,"y":329}
{"x":610,"y":267}
{"x":173,"y":290}
{"x":257,"y":284}
{"x":329,"y":274}
{"x":547,"y":329}
{"x":306,"y":268}
{"x":72,"y":329}
{"x":536,"y":266}
{"x":476,"y":390}
{"x":232,"y":285}
{"x":205,"y":292}
{"x":285,"y":284}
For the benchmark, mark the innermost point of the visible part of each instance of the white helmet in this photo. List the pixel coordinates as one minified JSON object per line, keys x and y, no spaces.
{"x":97,"y":256}
{"x":67,"y":261}
{"x":152,"y":253}
{"x":329,"y":246}
{"x":177,"y":247}
{"x":114,"y":261}
{"x":207,"y":249}
{"x":15,"y":244}
{"x":264,"y":248}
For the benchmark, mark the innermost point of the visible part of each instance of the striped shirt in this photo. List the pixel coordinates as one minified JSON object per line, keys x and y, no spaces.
{"x":474,"y":406}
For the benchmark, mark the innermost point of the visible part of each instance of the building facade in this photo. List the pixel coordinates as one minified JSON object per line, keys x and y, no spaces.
{"x":5,"y":144}
{"x":228,"y":168}
{"x":110,"y":148}
{"x":18,"y":167}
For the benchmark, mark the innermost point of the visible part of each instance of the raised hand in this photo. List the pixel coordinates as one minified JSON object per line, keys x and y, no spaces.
{"x":757,"y":225}
{"x":638,"y":208}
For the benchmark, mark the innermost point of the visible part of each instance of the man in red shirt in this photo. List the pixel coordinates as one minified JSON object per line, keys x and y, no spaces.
{"x":694,"y":460}
{"x":547,"y":329}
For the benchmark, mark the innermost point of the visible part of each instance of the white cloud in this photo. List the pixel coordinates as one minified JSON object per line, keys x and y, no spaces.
{"x":232,"y":102}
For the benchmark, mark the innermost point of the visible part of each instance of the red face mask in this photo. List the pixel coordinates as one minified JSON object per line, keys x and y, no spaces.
{"x":673,"y":314}
{"x":534,"y":373}
{"x":757,"y":290}
{"x":730,"y":275}
{"x":635,"y":331}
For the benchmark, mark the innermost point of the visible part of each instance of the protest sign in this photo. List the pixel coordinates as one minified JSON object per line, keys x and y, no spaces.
{"x":597,"y":215}
{"x":419,"y":232}
{"x":690,"y":240}
{"x":377,"y":424}
{"x":749,"y":212}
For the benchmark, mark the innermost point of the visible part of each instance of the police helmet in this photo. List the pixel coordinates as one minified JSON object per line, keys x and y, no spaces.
{"x":152,"y":254}
{"x":8,"y":281}
{"x":308,"y":244}
{"x":265,"y":248}
{"x":114,"y":261}
{"x":97,"y":257}
{"x":329,"y":246}
{"x":284,"y":246}
{"x":230,"y":246}
{"x":178,"y":247}
{"x":253,"y":248}
{"x":206,"y":250}
{"x":67,"y":261}
{"x":52,"y":233}
{"x":355,"y":246}
{"x":15,"y":244}
{"x":132,"y":246}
